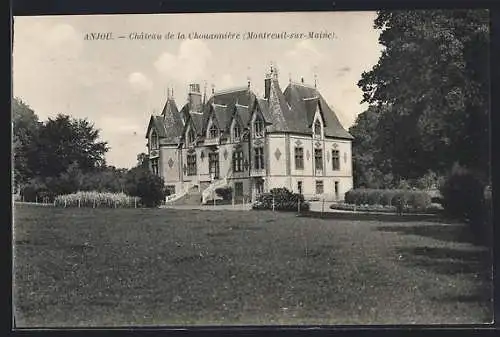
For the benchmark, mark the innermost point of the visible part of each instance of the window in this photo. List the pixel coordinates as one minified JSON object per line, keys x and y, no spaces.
{"x":238,"y":161}
{"x":259,"y":158}
{"x":318,"y":159}
{"x":191,"y":136}
{"x":154,"y":140}
{"x":317,"y":129}
{"x":299,"y":158}
{"x":214,"y":131}
{"x":319,"y":187}
{"x":335,"y":160}
{"x":259,"y":187}
{"x":259,"y":127}
{"x":213,"y":165}
{"x":336,"y":190}
{"x":299,"y":187}
{"x":238,"y":189}
{"x":154,"y":166}
{"x":191,"y":164}
{"x":236,"y":132}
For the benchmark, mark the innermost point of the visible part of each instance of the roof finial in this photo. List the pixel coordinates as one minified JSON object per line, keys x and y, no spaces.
{"x":248,"y":81}
{"x":204,"y":92}
{"x":213,"y":88}
{"x":275,"y":71}
{"x":289,"y":77}
{"x":315,"y":76}
{"x":302,"y":80}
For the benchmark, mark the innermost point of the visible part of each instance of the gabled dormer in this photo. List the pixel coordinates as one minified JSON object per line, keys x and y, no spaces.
{"x":318,"y":124}
{"x":257,"y":125}
{"x":236,"y":131}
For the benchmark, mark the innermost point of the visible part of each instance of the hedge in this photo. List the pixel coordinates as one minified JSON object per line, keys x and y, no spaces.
{"x":414,"y":199}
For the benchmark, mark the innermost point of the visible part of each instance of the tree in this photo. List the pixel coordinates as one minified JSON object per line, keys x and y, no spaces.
{"x":25,"y":127}
{"x":372,"y":166}
{"x":141,"y":182}
{"x":434,"y":75}
{"x":65,"y":140}
{"x":143,"y":160}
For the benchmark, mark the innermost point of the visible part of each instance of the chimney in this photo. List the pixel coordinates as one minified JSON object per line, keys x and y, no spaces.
{"x":267,"y":85}
{"x":194,"y":97}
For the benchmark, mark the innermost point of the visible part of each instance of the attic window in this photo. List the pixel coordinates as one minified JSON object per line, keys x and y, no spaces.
{"x":259,"y":127}
{"x":317,"y":128}
{"x":236,"y":132}
{"x":191,"y":136}
{"x":153,"y":140}
{"x":213,"y":132}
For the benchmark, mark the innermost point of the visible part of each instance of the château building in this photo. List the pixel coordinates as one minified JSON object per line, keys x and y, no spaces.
{"x":289,"y":138}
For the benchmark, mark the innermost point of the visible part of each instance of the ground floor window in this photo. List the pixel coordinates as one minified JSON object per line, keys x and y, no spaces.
{"x":238,"y":189}
{"x":191,"y":164}
{"x":259,"y":187}
{"x":154,"y":166}
{"x":299,"y":187}
{"x":336,"y":190}
{"x":319,"y":187}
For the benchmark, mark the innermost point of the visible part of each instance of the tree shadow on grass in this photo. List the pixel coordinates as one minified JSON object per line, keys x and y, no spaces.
{"x":474,"y":264}
{"x":373,"y":217}
{"x":449,"y":261}
{"x":443,"y":232}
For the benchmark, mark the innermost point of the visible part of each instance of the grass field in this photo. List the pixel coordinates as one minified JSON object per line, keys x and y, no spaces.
{"x":115,"y":267}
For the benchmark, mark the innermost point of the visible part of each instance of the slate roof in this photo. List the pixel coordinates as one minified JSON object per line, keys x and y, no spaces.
{"x":157,"y":122}
{"x":172,"y":122}
{"x":290,"y":111}
{"x":303,"y":98}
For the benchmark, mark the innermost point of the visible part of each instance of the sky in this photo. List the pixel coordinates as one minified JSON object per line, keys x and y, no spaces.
{"x":117,"y":84}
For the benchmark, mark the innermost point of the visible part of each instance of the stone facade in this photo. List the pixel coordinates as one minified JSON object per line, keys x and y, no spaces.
{"x":286,"y":139}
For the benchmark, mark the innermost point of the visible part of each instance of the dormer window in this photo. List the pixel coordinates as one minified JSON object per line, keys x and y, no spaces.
{"x":153,"y":139}
{"x":317,"y":129}
{"x":236,"y":132}
{"x":191,"y":136}
{"x":213,"y":131}
{"x":258,"y":127}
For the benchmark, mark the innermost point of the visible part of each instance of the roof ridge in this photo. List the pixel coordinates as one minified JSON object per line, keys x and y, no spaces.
{"x":228,"y":90}
{"x":303,"y":85}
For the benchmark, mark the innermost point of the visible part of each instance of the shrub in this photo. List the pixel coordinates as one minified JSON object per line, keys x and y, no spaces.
{"x":283,"y":199}
{"x":463,"y":194}
{"x":374,"y":197}
{"x":419,"y":200}
{"x":96,"y":199}
{"x":142,"y":183}
{"x":386,"y":198}
{"x":226,"y":193}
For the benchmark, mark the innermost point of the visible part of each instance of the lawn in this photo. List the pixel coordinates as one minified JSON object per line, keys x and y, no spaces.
{"x":116,"y":267}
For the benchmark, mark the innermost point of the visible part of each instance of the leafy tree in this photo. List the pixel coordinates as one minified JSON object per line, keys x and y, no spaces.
{"x":434,"y":75}
{"x":143,"y":160}
{"x":141,"y":182}
{"x":25,"y":127}
{"x":63,"y":141}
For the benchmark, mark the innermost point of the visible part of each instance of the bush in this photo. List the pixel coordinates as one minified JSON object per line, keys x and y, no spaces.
{"x":142,"y":183}
{"x":284,"y":200}
{"x":386,"y":198}
{"x":374,"y":197}
{"x":96,"y":199}
{"x":419,"y":200}
{"x":226,"y":193}
{"x":463,"y":195}
{"x":415,"y":199}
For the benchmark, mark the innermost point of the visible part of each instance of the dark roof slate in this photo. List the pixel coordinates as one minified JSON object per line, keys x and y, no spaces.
{"x":304,"y":99}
